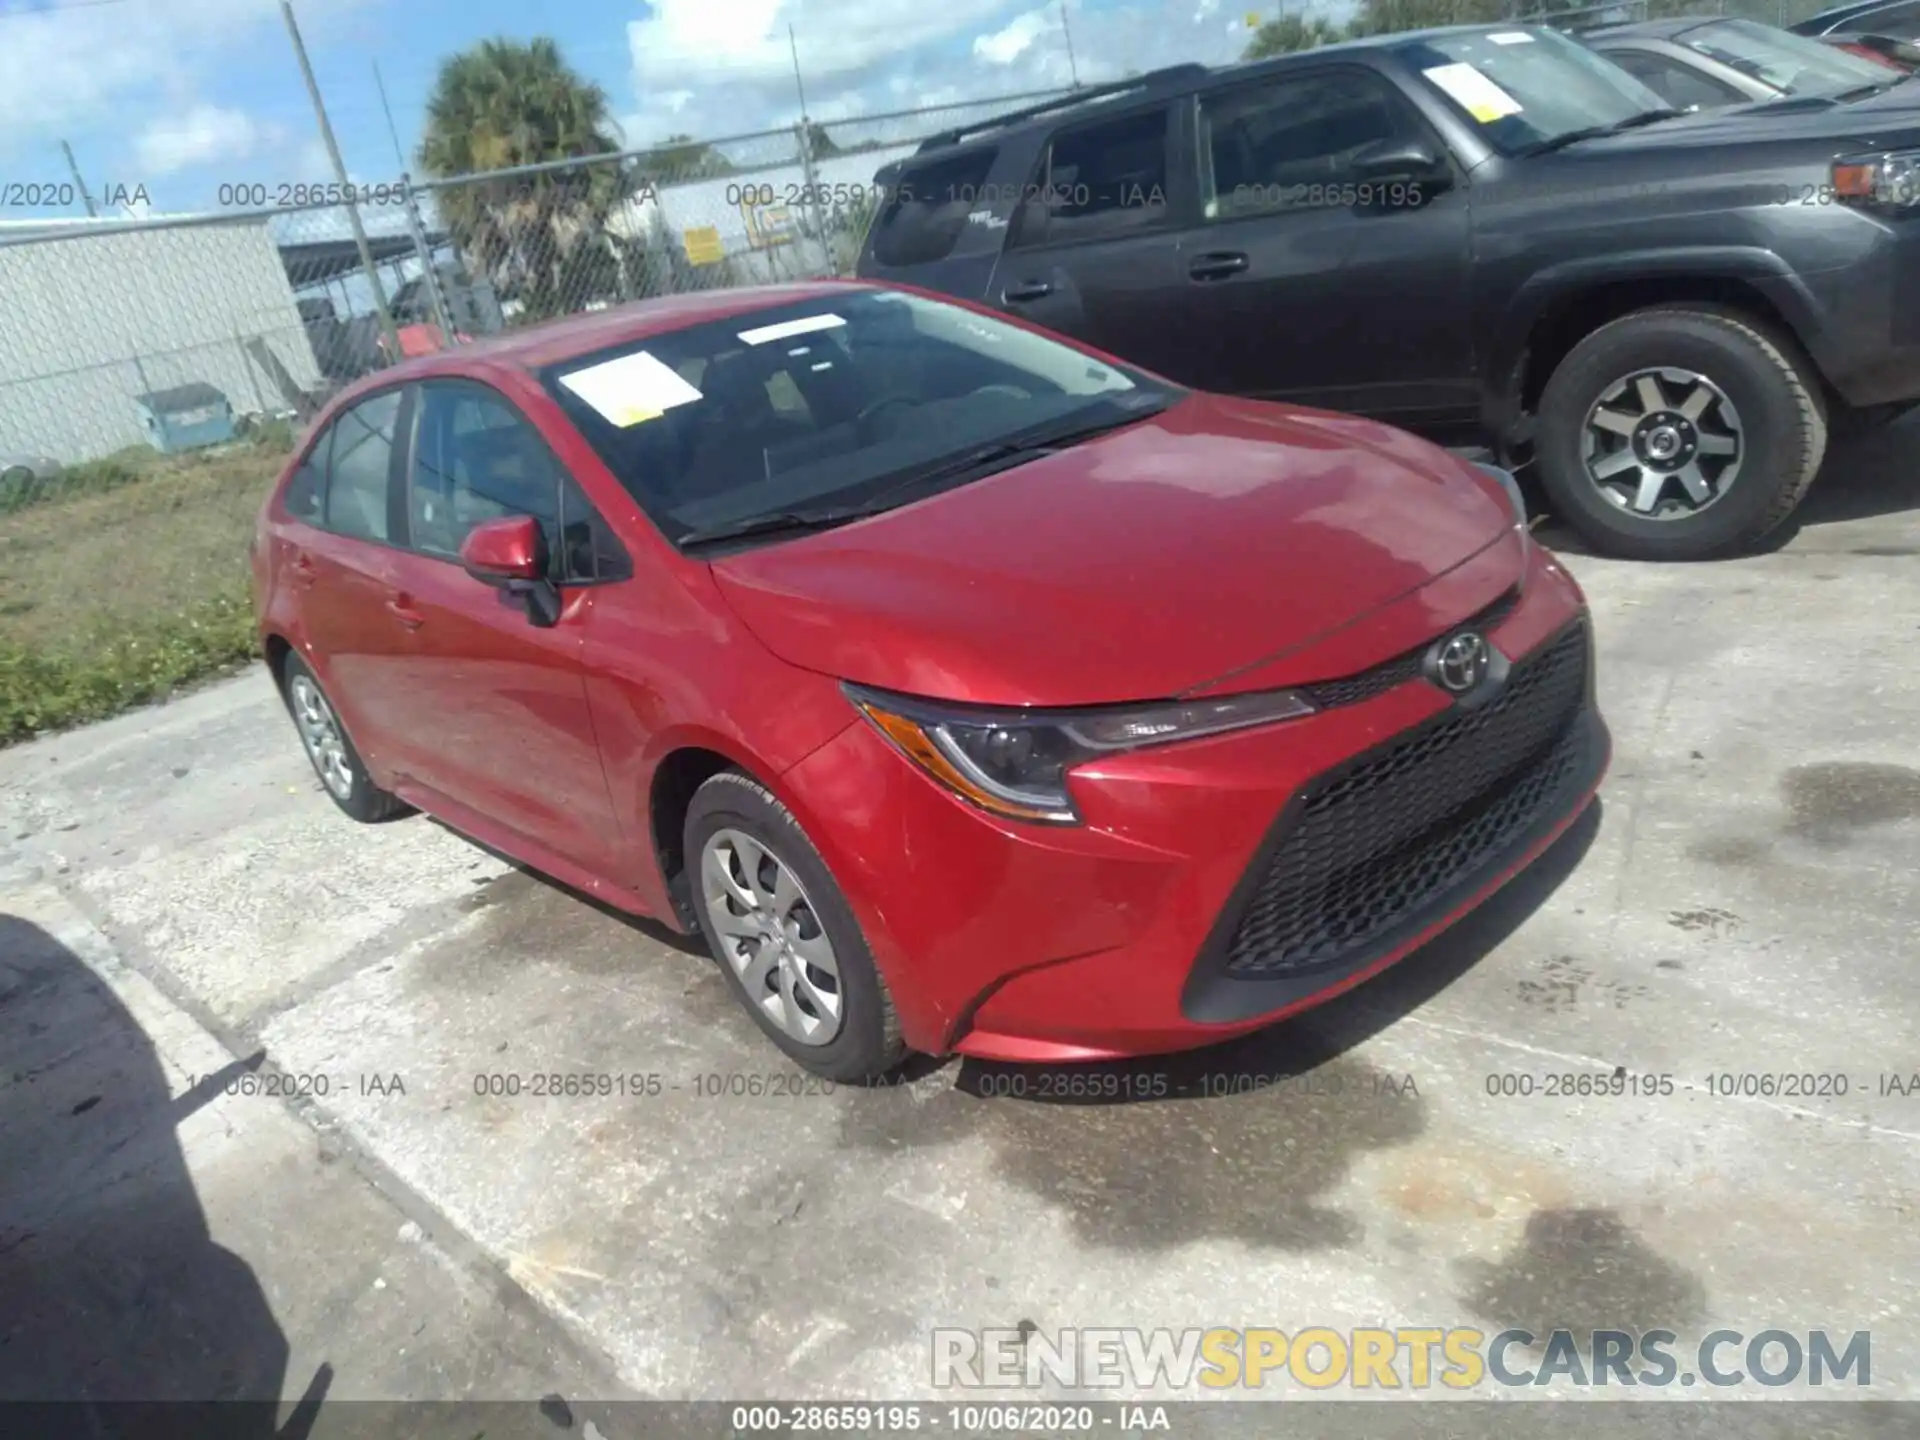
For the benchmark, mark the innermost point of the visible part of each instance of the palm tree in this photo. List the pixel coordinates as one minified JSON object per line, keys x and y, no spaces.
{"x":1289,"y":33}
{"x":506,"y":103}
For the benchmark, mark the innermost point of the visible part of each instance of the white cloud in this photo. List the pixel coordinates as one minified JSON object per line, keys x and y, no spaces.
{"x":200,"y":136}
{"x":1005,"y":46}
{"x":736,"y":61}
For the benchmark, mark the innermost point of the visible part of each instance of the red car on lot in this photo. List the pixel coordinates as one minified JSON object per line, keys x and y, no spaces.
{"x":968,"y":690}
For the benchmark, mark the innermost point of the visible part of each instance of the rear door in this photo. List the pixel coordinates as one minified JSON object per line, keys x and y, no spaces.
{"x":343,"y":562}
{"x":1092,"y":247}
{"x":1309,"y":278}
{"x":495,"y":705}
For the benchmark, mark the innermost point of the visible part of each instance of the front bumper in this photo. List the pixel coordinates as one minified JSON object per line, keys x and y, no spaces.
{"x":1130,"y":934}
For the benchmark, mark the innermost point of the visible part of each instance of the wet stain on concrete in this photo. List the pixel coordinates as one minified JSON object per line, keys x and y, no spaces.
{"x":1582,"y":1270}
{"x":1828,"y":802}
{"x":1565,"y":979}
{"x":1711,"y":920}
{"x":1732,"y":851}
{"x":1166,"y":1157}
{"x":1890,"y":551}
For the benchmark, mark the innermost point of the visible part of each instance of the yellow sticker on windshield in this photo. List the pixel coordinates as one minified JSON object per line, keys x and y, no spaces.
{"x":630,"y":390}
{"x":1474,"y":92}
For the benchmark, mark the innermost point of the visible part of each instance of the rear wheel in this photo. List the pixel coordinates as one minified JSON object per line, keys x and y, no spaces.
{"x":784,"y":935}
{"x":342,"y":774}
{"x":1679,"y":434}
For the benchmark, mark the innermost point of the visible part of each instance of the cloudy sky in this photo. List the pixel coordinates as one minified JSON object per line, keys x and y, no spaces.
{"x":177,"y":97}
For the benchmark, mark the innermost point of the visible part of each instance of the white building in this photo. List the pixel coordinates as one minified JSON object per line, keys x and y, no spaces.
{"x":93,"y":314}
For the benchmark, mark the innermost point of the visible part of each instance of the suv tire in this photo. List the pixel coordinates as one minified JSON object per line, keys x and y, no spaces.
{"x":737,"y":820}
{"x":1744,"y":383}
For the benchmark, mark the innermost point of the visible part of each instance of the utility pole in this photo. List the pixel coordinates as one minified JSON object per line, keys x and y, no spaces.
{"x":392,"y":133}
{"x":340,"y":174}
{"x":806,"y":158}
{"x":74,"y":166}
{"x":1072,"y":68}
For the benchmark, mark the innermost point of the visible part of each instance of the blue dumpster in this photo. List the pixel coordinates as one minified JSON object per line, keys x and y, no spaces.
{"x":186,"y":417}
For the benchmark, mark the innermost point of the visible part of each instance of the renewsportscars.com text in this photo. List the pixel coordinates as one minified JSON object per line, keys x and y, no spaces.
{"x":1410,"y":1357}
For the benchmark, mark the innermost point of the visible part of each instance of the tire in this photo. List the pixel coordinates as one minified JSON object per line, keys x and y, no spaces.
{"x":341,"y":772}
{"x":1762,"y":398}
{"x":730,"y":816}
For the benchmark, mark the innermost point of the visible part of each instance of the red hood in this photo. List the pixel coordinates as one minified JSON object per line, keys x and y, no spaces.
{"x":1139,"y":565}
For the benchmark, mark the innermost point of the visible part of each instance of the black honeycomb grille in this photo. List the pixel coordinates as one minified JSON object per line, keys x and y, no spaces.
{"x":1368,"y":846}
{"x":1352,"y":689}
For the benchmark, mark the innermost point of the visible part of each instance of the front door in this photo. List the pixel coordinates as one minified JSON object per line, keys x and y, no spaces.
{"x":1311,"y":280}
{"x":496,"y":705}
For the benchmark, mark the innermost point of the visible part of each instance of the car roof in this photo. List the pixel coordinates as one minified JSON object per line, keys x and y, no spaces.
{"x":1169,"y":83}
{"x":552,"y":341}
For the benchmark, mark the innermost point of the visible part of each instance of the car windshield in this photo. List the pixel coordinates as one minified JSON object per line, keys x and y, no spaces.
{"x":1788,"y":62}
{"x":1528,"y":86}
{"x":833,"y":404}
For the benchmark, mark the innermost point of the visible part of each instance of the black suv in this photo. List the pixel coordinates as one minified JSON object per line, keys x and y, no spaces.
{"x":1479,"y":231}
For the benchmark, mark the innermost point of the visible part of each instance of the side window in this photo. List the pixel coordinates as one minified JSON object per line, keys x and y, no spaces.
{"x":927,"y":213}
{"x":357,"y":476}
{"x":306,"y":487}
{"x":477,"y":458}
{"x":1679,"y":85}
{"x":1282,"y":146}
{"x":1098,"y":180}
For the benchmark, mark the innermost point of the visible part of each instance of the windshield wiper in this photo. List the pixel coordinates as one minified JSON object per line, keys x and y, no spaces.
{"x":777,"y":522}
{"x":1594,"y":132}
{"x":1867,"y":92}
{"x":1000,"y":455}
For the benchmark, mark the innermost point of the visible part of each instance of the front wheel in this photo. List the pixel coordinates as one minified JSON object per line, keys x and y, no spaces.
{"x":1679,"y":434}
{"x":784,"y":934}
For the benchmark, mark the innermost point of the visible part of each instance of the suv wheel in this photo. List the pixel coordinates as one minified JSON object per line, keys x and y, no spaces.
{"x":342,"y":774}
{"x":784,"y":934}
{"x":1679,"y":434}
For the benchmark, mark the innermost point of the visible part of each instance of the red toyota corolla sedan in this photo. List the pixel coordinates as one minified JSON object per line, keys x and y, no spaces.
{"x":969,"y":690}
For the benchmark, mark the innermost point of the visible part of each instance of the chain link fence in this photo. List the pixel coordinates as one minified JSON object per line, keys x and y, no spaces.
{"x":154,"y":374}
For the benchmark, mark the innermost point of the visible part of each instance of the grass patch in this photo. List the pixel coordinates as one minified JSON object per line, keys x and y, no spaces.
{"x":117,"y":590}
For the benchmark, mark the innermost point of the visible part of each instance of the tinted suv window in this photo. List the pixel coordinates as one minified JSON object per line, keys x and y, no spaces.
{"x":1291,"y":144}
{"x":1098,"y":180}
{"x":927,"y":211}
{"x":356,"y":501}
{"x":475,"y":458}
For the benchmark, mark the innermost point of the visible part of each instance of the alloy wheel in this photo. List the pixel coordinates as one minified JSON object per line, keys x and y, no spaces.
{"x":1663,"y":444}
{"x":320,"y":733}
{"x":771,"y":937}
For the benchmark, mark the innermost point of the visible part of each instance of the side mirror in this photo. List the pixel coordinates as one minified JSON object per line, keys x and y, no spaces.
{"x":501,"y":552}
{"x":1412,"y":161}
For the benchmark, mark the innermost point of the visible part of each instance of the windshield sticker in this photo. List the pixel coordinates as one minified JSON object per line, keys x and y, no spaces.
{"x":790,"y":327}
{"x":628,"y":391}
{"x":1511,"y":37}
{"x":1477,"y":95}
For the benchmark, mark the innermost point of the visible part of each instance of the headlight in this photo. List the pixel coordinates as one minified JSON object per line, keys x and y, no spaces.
{"x":1015,"y":762}
{"x":1890,"y":180}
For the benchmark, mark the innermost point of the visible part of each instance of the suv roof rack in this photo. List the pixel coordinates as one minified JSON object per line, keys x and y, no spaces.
{"x":1152,"y":80}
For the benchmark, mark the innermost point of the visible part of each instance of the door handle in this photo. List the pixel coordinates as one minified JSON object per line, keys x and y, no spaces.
{"x":1026,"y":290}
{"x":1218,"y":265}
{"x":402,"y":607}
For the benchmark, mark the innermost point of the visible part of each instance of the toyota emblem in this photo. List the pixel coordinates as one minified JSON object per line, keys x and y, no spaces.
{"x":1461,"y":661}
